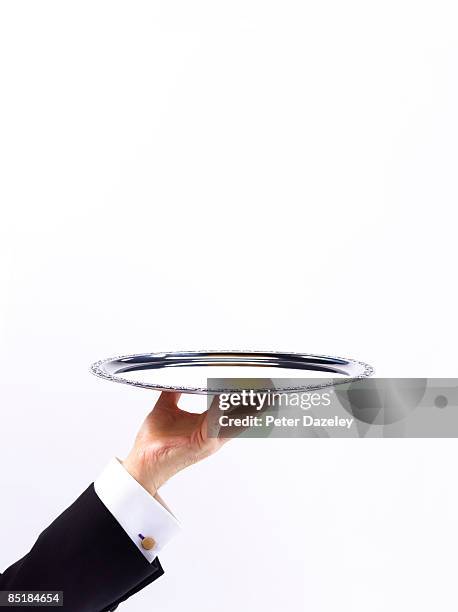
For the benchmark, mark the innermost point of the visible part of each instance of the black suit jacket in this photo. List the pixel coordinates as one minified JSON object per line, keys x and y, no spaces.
{"x":86,"y":554}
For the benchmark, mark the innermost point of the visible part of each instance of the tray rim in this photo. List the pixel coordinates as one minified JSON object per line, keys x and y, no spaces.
{"x":98,"y":369}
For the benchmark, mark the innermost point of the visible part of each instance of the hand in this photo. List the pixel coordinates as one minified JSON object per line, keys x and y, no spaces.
{"x":169,"y":440}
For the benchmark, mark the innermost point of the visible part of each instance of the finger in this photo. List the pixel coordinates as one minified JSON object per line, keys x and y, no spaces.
{"x":212,"y":415}
{"x":215,"y":428}
{"x":168,"y":399}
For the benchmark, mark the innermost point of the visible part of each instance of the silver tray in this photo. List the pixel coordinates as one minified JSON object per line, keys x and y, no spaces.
{"x":112,"y":368}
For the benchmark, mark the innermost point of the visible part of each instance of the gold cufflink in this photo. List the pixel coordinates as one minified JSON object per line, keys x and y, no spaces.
{"x":148,"y":543}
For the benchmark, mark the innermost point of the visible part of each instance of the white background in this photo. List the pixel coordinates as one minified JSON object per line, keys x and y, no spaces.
{"x":245,"y":174}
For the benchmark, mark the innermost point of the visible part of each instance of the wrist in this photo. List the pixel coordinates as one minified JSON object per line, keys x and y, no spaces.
{"x":144,"y":474}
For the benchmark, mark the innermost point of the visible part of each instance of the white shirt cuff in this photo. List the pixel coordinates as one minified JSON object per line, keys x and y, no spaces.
{"x":146,"y":521}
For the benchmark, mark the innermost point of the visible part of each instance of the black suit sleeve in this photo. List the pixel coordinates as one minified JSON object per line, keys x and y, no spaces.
{"x":86,"y":554}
